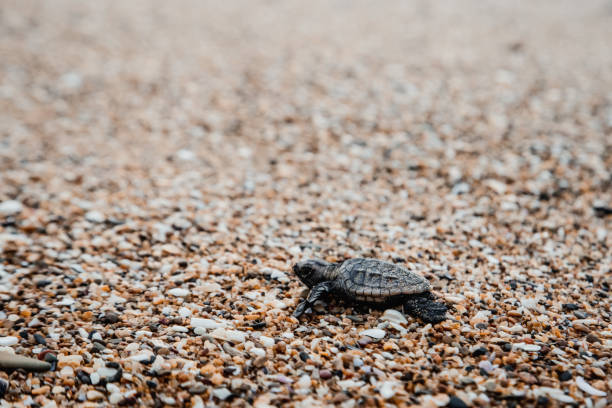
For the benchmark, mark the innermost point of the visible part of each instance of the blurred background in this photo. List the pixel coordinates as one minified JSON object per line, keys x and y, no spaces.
{"x":306,"y":115}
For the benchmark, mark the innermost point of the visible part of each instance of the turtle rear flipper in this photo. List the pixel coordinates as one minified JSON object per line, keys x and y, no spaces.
{"x":425,"y":307}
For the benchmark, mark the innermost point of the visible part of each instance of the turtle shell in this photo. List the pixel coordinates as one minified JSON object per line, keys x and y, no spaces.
{"x":373,"y":280}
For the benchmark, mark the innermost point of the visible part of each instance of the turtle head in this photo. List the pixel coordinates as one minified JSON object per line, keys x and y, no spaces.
{"x":312,"y":271}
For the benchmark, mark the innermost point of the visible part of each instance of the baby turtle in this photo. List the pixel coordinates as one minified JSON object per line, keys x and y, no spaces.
{"x":372,"y":282}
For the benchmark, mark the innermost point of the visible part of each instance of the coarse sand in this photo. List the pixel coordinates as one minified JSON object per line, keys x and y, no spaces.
{"x":163,"y":164}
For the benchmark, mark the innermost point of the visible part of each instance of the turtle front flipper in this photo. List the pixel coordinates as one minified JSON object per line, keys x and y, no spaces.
{"x":424,"y":306}
{"x":317,"y":292}
{"x":301,"y":308}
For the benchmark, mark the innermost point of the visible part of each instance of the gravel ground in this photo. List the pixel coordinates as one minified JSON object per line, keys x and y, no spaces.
{"x":163,"y":164}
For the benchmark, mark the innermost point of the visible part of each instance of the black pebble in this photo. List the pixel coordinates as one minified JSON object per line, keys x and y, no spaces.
{"x":110,"y":318}
{"x":258,"y":325}
{"x":83,"y":377}
{"x":565,"y":376}
{"x":4,"y":386}
{"x":407,"y":376}
{"x":480,"y":351}
{"x":570,"y":307}
{"x":151,"y":384}
{"x":456,"y":402}
{"x":507,"y":347}
{"x":42,"y":283}
{"x":227,"y":371}
{"x":304,"y":356}
{"x":40,"y":339}
{"x":602,"y":211}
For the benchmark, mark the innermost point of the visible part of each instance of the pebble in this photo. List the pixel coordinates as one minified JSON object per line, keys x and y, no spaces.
{"x":73,"y":360}
{"x":4,"y":387}
{"x":141,"y":357}
{"x":94,"y":378}
{"x":67,"y":372}
{"x":210,"y":287}
{"x":395,"y":316}
{"x":93,"y":395}
{"x":110,"y":318}
{"x":456,"y":402}
{"x":198,"y":388}
{"x":586,"y":387}
{"x":325,"y":374}
{"x":206,"y":323}
{"x":235,"y":336}
{"x":95,"y":216}
{"x":8,"y":341}
{"x":10,"y":207}
{"x":257,"y":352}
{"x":375,"y":334}
{"x":184,"y":312}
{"x":179,"y":292}
{"x":388,"y":389}
{"x":66,"y":301}
{"x":526,"y":347}
{"x":115,"y":398}
{"x":554,"y":393}
{"x":266,"y":341}
{"x":108,"y":373}
{"x":41,"y":390}
{"x":349,"y":384}
{"x":304,"y":382}
{"x":221,"y":393}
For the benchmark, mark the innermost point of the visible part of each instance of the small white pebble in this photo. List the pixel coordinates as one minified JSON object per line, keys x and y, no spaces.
{"x":266,"y":341}
{"x":140,"y":357}
{"x":376,"y":334}
{"x":106,"y":372}
{"x":229,"y":335}
{"x":221,"y":393}
{"x":210,"y":287}
{"x":115,"y":398}
{"x":179,"y":292}
{"x":554,"y":393}
{"x":304,"y":382}
{"x":205,"y":323}
{"x":347,"y":384}
{"x":132,"y":347}
{"x":10,"y":207}
{"x":394,"y":316}
{"x":94,"y":216}
{"x":66,"y":301}
{"x":110,"y":387}
{"x":93,"y":395}
{"x":185,"y":155}
{"x":526,"y":347}
{"x":256,"y":351}
{"x":588,"y":388}
{"x":8,"y":341}
{"x":95,"y":378}
{"x":67,"y":372}
{"x":180,"y":329}
{"x":184,"y":312}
